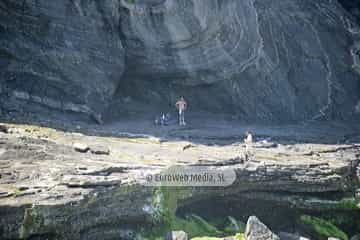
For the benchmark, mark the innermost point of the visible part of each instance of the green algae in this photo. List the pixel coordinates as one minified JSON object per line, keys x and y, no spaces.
{"x":165,"y":203}
{"x":347,"y":204}
{"x":32,"y":223}
{"x":240,"y":236}
{"x":323,"y":227}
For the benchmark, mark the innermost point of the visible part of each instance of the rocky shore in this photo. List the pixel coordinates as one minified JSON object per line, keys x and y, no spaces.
{"x":68,"y":185}
{"x":286,"y":70}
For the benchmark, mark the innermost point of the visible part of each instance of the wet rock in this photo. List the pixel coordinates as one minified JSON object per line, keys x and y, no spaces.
{"x":176,"y":235}
{"x":256,"y":230}
{"x":81,"y":147}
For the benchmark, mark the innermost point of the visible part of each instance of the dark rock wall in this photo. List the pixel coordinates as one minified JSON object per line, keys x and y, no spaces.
{"x":261,"y":60}
{"x":62,"y":54}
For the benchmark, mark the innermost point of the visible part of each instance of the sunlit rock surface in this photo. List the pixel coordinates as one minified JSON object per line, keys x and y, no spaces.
{"x":49,"y":190}
{"x":264,"y":60}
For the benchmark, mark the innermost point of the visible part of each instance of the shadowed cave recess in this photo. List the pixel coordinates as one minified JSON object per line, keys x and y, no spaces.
{"x":260,"y":61}
{"x":254,"y":61}
{"x":279,"y":216}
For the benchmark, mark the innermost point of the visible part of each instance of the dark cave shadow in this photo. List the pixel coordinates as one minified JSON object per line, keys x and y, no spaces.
{"x":279,"y":216}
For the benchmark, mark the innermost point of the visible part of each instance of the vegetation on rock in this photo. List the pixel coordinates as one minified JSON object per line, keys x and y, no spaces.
{"x":323,"y":228}
{"x":165,"y":205}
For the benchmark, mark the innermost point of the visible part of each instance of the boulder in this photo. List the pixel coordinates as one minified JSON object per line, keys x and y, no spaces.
{"x":256,"y":230}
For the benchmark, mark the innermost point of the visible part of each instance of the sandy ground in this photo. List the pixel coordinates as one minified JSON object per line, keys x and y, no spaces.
{"x":205,"y":128}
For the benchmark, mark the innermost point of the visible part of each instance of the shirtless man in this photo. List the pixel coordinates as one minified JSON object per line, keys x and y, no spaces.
{"x":181,"y":106}
{"x":248,"y":140}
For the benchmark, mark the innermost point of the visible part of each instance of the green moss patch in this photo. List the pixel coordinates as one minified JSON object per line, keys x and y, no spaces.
{"x":347,"y":204}
{"x":323,"y":228}
{"x":165,"y":203}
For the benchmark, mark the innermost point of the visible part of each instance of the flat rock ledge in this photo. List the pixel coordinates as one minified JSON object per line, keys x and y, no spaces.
{"x":48,"y":189}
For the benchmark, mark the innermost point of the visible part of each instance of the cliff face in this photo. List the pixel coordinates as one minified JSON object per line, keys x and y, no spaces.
{"x":62,"y":54}
{"x":263,"y":60}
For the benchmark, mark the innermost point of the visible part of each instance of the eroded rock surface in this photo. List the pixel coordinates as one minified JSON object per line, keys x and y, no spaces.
{"x":262,"y":60}
{"x":256,"y":230}
{"x":61,"y":54}
{"x":48,"y":189}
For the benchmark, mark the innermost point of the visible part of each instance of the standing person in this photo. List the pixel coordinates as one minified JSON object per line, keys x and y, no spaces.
{"x":163,"y":120}
{"x":248,"y":144}
{"x":181,"y":105}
